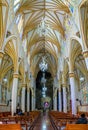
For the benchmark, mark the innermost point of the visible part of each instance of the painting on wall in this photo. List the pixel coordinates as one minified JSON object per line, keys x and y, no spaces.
{"x":84,"y":92}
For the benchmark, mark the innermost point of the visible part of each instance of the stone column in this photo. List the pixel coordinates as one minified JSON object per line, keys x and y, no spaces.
{"x":73,"y":96}
{"x":0,"y":93}
{"x":28,"y":100}
{"x":85,"y":55}
{"x":18,"y":99}
{"x":34,"y":98}
{"x":8,"y":94}
{"x":32,"y":102}
{"x":1,"y":56}
{"x":55,"y":99}
{"x":55,"y":103}
{"x":23,"y":97}
{"x":14,"y":93}
{"x":64,"y":99}
{"x":8,"y":99}
{"x":60,"y":100}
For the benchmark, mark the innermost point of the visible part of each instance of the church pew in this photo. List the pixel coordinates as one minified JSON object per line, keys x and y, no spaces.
{"x":76,"y":127}
{"x":5,"y":114}
{"x":60,"y":119}
{"x":24,"y":120}
{"x":10,"y":127}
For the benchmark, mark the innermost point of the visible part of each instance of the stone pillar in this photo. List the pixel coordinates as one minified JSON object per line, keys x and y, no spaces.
{"x":18,"y":99}
{"x":14,"y":93}
{"x":64,"y":99}
{"x":34,"y":98}
{"x":55,"y":99}
{"x":8,"y":94}
{"x":32,"y":102}
{"x":73,"y":95}
{"x":85,"y":55}
{"x":23,"y":97}
{"x":60,"y":100}
{"x":28,"y":100}
{"x":8,"y":99}
{"x":0,"y":93}
{"x":55,"y":103}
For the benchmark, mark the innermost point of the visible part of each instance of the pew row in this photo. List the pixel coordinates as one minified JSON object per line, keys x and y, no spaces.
{"x":26,"y":121}
{"x":10,"y":127}
{"x":59,"y":120}
{"x":76,"y":127}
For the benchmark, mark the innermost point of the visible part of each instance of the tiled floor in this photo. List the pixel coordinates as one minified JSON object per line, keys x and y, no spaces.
{"x":43,"y":123}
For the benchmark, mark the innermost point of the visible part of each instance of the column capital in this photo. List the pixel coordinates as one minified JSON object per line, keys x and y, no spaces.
{"x":71,"y":74}
{"x":60,"y":82}
{"x":59,"y":89}
{"x":15,"y":75}
{"x":64,"y":85}
{"x":28,"y":90}
{"x":85,"y":54}
{"x":1,"y":53}
{"x":24,"y":85}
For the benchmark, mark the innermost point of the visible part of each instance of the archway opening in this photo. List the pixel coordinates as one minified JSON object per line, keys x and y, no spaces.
{"x":41,"y":95}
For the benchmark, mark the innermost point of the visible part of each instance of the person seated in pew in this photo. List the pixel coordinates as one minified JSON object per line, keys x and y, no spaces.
{"x":20,"y":113}
{"x":18,"y":108}
{"x":82,"y":120}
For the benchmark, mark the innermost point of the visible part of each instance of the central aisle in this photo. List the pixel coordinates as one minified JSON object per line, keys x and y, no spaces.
{"x":43,"y":123}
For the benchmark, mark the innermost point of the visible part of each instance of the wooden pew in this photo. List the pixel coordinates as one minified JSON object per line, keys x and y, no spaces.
{"x":10,"y":127}
{"x":76,"y":127}
{"x":24,"y":120}
{"x":61,"y":119}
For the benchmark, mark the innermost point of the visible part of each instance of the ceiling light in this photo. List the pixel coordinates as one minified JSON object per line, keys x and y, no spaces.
{"x":43,"y":65}
{"x":43,"y":28}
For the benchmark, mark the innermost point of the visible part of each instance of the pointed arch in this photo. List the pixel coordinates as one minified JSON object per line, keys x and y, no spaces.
{"x":12,"y":50}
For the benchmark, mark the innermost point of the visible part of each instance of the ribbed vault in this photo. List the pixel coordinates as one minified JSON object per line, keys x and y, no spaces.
{"x":33,"y":12}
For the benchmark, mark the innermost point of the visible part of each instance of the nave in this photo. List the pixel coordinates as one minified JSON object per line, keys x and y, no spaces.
{"x":43,"y":59}
{"x":38,"y":120}
{"x":43,"y":123}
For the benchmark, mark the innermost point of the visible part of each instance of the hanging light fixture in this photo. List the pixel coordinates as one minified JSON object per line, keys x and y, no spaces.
{"x":44,"y":88}
{"x":43,"y":28}
{"x":43,"y":65}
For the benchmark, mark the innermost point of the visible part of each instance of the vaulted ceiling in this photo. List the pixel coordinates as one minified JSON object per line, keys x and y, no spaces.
{"x":33,"y":12}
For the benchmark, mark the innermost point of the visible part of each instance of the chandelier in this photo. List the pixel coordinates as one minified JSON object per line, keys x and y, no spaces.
{"x":44,"y":88}
{"x":43,"y":65}
{"x":43,"y":28}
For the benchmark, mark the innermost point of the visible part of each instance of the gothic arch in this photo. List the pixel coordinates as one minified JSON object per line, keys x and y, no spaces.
{"x":3,"y":20}
{"x":11,"y":49}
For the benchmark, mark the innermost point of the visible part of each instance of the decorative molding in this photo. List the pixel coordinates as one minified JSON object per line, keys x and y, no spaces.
{"x":24,"y":85}
{"x":71,"y":74}
{"x":64,"y":85}
{"x":85,"y":54}
{"x":15,"y":75}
